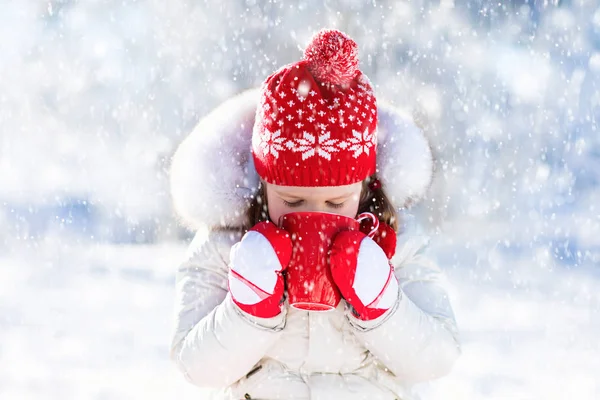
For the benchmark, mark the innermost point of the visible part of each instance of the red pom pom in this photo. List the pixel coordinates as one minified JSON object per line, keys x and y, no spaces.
{"x":332,"y":57}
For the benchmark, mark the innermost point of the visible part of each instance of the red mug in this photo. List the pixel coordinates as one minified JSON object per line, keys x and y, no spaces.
{"x":309,"y":283}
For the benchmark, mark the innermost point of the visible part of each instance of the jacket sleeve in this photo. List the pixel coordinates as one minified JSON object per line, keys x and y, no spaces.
{"x":417,"y":340}
{"x":214,"y":343}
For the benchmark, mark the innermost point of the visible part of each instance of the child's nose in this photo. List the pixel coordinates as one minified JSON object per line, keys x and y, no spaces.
{"x":316,"y":207}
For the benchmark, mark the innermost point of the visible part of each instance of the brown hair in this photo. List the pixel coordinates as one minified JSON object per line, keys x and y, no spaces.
{"x":373,"y":200}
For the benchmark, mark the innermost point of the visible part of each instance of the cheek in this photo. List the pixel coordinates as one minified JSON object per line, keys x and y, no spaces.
{"x":276,"y":210}
{"x":350,"y":209}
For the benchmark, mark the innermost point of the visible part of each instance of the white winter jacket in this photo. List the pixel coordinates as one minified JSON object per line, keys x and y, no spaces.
{"x":311,"y":355}
{"x":299,"y":354}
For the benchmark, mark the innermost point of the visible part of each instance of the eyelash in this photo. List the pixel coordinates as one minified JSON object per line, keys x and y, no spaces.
{"x":299,"y":203}
{"x":294,"y":204}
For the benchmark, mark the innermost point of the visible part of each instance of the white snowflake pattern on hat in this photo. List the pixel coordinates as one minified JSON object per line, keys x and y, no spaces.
{"x":323,"y":146}
{"x":359,"y":143}
{"x":271,"y":142}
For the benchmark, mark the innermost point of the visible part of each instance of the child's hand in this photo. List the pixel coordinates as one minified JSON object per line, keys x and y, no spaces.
{"x":363,"y":273}
{"x":255,"y":280}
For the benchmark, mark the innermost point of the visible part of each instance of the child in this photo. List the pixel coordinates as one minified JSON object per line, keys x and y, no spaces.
{"x":318,"y":142}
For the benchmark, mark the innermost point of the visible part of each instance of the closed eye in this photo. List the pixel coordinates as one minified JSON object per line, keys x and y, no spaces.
{"x":335,"y":205}
{"x":294,"y":204}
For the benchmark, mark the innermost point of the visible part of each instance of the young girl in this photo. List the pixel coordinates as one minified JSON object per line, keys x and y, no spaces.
{"x":311,"y":139}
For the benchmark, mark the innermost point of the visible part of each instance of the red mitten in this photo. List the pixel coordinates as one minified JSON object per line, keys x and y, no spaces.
{"x":257,"y":261}
{"x":363,"y":273}
{"x":385,"y":236}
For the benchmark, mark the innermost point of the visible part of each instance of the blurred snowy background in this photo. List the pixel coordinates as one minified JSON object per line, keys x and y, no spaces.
{"x":95,"y":95}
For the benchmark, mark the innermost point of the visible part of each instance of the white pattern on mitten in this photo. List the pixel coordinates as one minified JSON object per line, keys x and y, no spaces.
{"x":255,"y":261}
{"x":372,"y":276}
{"x":255,"y":274}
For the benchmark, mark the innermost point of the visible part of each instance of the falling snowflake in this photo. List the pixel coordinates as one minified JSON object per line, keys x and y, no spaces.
{"x":359,"y":143}
{"x":323,"y":146}
{"x":271,"y":142}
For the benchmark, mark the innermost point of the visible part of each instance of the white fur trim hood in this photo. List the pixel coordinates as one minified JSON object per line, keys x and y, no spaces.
{"x":213,"y":178}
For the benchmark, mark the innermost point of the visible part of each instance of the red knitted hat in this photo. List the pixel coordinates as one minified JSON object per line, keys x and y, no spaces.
{"x":316,"y":121}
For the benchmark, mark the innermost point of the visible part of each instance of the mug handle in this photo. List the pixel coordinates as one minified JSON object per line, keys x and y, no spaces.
{"x":375,"y":220}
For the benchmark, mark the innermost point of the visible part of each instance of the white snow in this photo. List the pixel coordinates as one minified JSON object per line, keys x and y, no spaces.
{"x":92,"y":321}
{"x":95,"y":96}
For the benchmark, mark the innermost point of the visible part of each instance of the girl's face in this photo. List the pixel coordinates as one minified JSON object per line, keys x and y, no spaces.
{"x":342,"y":200}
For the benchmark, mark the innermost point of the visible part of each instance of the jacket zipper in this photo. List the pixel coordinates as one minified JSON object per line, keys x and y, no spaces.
{"x":248,"y":375}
